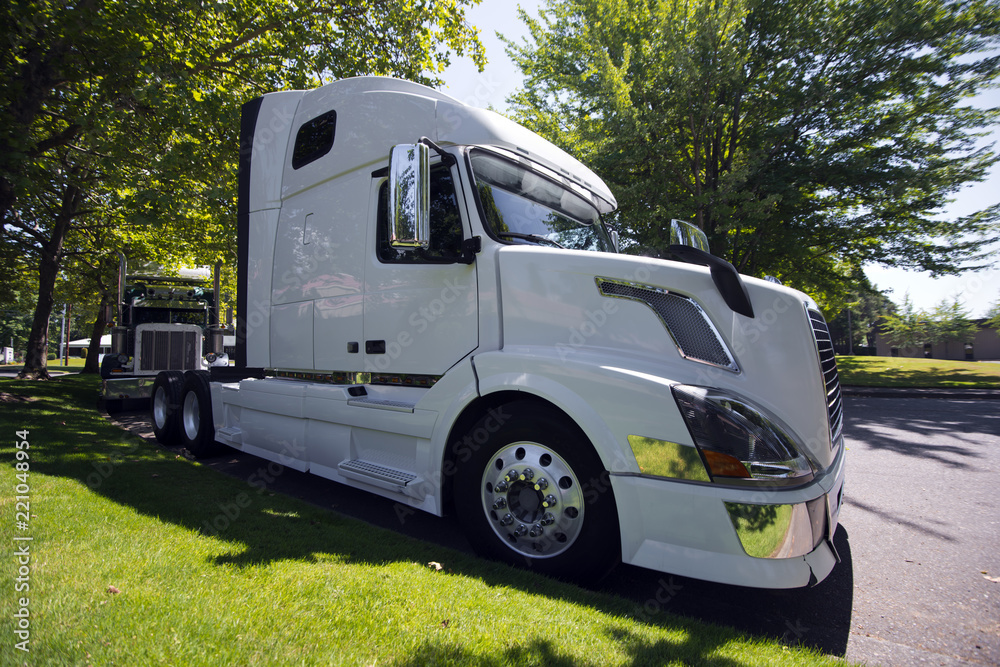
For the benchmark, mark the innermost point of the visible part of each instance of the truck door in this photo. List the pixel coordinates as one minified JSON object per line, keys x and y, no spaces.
{"x":420,"y":305}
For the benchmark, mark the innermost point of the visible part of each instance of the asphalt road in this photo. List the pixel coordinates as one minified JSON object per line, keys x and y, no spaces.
{"x":919,"y":538}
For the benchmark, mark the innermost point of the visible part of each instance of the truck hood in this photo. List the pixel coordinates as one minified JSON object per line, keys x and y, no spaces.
{"x":588,"y":303}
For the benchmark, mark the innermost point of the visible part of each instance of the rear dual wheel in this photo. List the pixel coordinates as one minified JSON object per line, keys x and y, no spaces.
{"x":535,"y":494}
{"x":197,"y":424}
{"x":182,"y":411}
{"x":168,"y":389}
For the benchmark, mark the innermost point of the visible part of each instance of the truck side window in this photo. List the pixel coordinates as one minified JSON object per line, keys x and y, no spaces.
{"x":446,"y":224}
{"x":314,"y":139}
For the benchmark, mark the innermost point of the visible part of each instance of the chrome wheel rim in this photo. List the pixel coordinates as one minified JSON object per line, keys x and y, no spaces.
{"x":533,"y":500}
{"x":192,"y":415}
{"x":160,"y":407}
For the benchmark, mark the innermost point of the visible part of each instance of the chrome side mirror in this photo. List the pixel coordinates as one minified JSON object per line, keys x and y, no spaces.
{"x":684,"y":233}
{"x":409,"y":196}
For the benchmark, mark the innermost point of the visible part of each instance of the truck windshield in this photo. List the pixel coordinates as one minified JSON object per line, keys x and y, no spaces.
{"x":522,"y":206}
{"x":169,"y":316}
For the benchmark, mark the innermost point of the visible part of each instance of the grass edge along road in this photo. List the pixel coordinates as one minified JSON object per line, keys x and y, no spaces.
{"x":139,"y":556}
{"x":904,"y":372}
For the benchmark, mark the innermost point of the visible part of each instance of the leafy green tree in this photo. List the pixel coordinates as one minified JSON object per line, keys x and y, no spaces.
{"x":993,"y":316}
{"x":950,"y":324}
{"x":857,"y":323}
{"x":907,"y":327}
{"x":18,"y":287}
{"x":126,"y":113}
{"x":805,"y":137}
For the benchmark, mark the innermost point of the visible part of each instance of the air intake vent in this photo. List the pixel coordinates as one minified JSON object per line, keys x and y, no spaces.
{"x":828,"y":366}
{"x":693,"y":333}
{"x":168,"y":350}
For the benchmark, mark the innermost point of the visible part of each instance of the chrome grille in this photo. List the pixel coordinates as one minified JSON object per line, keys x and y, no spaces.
{"x":828,"y":366}
{"x":683,"y":318}
{"x":168,"y":350}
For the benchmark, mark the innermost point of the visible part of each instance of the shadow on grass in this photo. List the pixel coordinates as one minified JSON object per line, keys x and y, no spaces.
{"x":71,"y":440}
{"x":544,"y":653}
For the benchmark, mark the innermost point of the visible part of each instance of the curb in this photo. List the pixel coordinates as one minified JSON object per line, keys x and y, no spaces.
{"x":918,"y":392}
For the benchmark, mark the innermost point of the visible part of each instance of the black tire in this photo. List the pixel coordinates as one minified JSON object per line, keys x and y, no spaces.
{"x":560,"y":518}
{"x":165,"y":406}
{"x":197,"y":424}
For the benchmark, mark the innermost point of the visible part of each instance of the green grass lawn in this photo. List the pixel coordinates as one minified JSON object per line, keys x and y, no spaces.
{"x":75,"y":364}
{"x":903,"y":372}
{"x":141,"y":557}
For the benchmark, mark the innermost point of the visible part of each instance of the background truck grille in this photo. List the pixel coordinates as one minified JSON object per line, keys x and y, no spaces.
{"x":828,"y":366}
{"x":168,"y":350}
{"x":684,"y":319}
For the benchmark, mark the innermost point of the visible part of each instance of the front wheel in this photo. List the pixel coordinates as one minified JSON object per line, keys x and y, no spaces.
{"x":535,"y":494}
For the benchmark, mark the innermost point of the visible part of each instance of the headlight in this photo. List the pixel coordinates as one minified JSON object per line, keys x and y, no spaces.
{"x":738,"y":440}
{"x":122,"y":359}
{"x":211,"y":357}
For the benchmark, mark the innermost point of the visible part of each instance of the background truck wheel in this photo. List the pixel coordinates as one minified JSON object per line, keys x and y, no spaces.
{"x":166,"y":406}
{"x":536,"y":495}
{"x":197,"y":425}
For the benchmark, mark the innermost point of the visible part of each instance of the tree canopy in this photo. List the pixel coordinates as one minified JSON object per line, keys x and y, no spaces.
{"x":119,"y":120}
{"x":805,"y":137}
{"x":911,"y":328}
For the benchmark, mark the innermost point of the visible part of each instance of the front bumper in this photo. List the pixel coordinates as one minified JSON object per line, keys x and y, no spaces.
{"x":126,"y":388}
{"x":760,"y":537}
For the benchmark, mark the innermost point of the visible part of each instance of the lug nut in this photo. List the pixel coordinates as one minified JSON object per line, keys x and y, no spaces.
{"x":501,"y":486}
{"x":521,"y":530}
{"x":547,"y":519}
{"x":527,"y":475}
{"x":499,"y":503}
{"x":507,"y":519}
{"x":536,"y":530}
{"x":512,"y":475}
{"x":550,"y":501}
{"x":541,"y":484}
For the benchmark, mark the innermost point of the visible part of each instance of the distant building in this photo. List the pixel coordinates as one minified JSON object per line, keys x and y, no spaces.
{"x":78,"y":348}
{"x":984,"y":347}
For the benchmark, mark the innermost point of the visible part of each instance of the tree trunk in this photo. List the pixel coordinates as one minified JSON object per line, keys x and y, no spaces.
{"x":36,"y":357}
{"x":92,"y":365}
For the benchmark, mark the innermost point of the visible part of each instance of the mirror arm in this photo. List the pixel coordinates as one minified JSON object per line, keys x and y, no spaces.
{"x":447,"y":158}
{"x":725,"y":276}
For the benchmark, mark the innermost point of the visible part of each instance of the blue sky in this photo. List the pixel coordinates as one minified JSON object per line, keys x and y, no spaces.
{"x":500,"y":78}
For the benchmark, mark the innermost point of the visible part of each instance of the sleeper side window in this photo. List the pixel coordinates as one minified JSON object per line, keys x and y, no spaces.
{"x":446,"y":224}
{"x":314,"y":139}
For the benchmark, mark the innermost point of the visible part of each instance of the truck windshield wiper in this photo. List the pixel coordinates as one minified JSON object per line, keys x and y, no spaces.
{"x":531,"y":237}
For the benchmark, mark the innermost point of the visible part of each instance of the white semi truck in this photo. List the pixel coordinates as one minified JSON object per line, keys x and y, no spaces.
{"x":452,"y":328}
